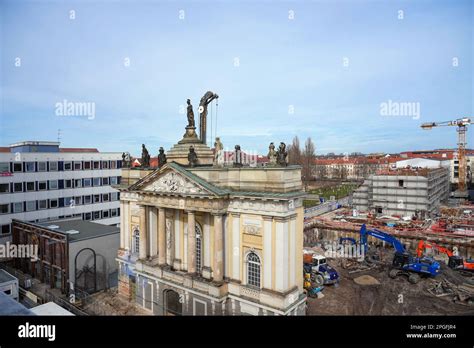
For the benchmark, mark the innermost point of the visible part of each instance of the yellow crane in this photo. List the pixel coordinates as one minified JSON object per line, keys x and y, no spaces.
{"x":461,"y":124}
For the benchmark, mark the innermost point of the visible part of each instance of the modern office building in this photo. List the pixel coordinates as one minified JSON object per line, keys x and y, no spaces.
{"x":40,"y":181}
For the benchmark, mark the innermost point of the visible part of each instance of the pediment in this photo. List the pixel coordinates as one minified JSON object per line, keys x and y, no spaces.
{"x":172,"y":182}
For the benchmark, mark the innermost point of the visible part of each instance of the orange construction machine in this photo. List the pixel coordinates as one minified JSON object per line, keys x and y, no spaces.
{"x":455,"y":262}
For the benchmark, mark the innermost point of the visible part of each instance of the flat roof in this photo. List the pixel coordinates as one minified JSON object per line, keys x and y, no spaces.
{"x":9,"y":306}
{"x":86,"y":229}
{"x":50,"y":308}
{"x":35,"y":143}
{"x":6,"y":277}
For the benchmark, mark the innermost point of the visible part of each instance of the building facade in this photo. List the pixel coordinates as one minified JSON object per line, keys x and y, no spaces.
{"x":403,"y":191}
{"x":212,"y":240}
{"x":41,"y":181}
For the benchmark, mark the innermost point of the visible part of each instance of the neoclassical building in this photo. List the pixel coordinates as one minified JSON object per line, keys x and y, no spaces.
{"x":211,"y":240}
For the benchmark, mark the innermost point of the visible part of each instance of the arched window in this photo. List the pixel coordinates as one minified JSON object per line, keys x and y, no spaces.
{"x":136,"y":241}
{"x":253,"y":269}
{"x":198,"y":249}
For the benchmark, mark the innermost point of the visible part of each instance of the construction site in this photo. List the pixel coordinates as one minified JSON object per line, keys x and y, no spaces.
{"x":400,"y":244}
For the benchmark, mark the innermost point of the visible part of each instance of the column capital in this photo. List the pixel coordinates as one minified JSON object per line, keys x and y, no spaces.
{"x":217,"y":213}
{"x":191,"y":212}
{"x":267,"y":217}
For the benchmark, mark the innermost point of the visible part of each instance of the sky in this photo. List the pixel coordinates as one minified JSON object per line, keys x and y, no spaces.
{"x":321,"y":69}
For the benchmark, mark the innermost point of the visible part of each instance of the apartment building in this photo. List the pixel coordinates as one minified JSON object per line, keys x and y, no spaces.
{"x":40,"y":181}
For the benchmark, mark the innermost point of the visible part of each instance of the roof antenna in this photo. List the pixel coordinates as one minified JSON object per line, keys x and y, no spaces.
{"x":59,"y":135}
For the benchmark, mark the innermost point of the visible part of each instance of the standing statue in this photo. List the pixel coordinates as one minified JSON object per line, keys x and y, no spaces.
{"x":192,"y":157}
{"x":237,"y":156}
{"x":272,"y":154}
{"x":218,"y":151}
{"x":161,"y":157}
{"x":282,"y":155}
{"x":190,"y":114}
{"x":145,"y":157}
{"x":205,"y":100}
{"x":126,"y":160}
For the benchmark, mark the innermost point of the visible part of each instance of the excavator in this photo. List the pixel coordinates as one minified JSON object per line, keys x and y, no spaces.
{"x":403,"y":262}
{"x":455,"y":262}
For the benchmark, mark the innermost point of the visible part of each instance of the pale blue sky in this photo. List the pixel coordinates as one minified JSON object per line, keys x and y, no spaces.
{"x":283,"y":62}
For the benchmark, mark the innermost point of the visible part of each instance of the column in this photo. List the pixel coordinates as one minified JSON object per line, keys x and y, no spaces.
{"x":143,"y":233}
{"x":122,"y":225}
{"x":153,"y":228}
{"x":218,"y":272}
{"x":191,"y":242}
{"x":161,"y":236}
{"x":170,"y":239}
{"x":126,"y":224}
{"x":267,"y":252}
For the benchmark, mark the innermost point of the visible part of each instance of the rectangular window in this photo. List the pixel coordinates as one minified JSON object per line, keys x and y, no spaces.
{"x":69,"y":201}
{"x":42,"y":167}
{"x":53,"y":184}
{"x":77,"y":183}
{"x":17,"y":167}
{"x":68,"y":183}
{"x":87,"y":182}
{"x":18,"y":207}
{"x":113,"y":180}
{"x":42,"y":185}
{"x":87,"y":165}
{"x":4,"y":188}
{"x":87,"y":199}
{"x":53,"y":166}
{"x":30,"y":166}
{"x":53,"y":203}
{"x":30,"y":205}
{"x":43,"y":204}
{"x":114,"y":196}
{"x":400,"y":183}
{"x":87,"y":216}
{"x":4,"y":167}
{"x":105,"y":197}
{"x":30,"y":186}
{"x":67,"y":165}
{"x":17,"y":187}
{"x":77,"y":165}
{"x":114,"y":212}
{"x":96,"y":198}
{"x":113,"y":164}
{"x":105,"y":164}
{"x":105,"y":214}
{"x":78,"y":200}
{"x":105,"y":181}
{"x":97,"y":215}
{"x":97,"y":181}
{"x":5,"y":229}
{"x":96,"y":164}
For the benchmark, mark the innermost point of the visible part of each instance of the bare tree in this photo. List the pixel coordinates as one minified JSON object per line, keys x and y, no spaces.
{"x":294,"y":152}
{"x":309,"y":157}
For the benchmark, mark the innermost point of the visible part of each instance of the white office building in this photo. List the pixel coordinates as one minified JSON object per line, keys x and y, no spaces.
{"x":40,"y":181}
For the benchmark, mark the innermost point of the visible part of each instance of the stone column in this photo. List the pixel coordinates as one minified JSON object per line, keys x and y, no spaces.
{"x":191,"y":242}
{"x":126,"y":225}
{"x":161,"y":236}
{"x":152,"y":223}
{"x":218,"y":271}
{"x":122,"y":226}
{"x":143,"y":233}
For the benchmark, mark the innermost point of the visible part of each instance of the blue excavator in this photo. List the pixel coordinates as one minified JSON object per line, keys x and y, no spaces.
{"x":403,"y":262}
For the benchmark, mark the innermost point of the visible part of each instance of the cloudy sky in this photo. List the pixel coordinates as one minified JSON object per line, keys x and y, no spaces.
{"x":322,"y":69}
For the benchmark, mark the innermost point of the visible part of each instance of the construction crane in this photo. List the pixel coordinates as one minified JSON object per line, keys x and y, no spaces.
{"x":461,"y":125}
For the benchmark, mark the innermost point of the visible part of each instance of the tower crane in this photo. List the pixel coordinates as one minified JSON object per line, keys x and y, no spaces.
{"x":461,"y":124}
